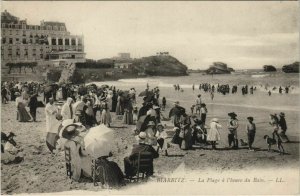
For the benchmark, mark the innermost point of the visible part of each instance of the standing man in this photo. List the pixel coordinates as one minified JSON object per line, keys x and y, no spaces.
{"x":282,"y":123}
{"x":232,"y":127}
{"x":33,"y":105}
{"x":198,"y":103}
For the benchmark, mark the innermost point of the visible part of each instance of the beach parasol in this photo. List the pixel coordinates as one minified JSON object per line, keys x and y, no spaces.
{"x":98,"y":141}
{"x":146,"y":93}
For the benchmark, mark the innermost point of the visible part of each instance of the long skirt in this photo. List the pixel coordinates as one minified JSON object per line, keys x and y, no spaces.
{"x":128,"y":118}
{"x":106,"y":117}
{"x":187,"y":140}
{"x":22,"y":114}
{"x":118,"y":109}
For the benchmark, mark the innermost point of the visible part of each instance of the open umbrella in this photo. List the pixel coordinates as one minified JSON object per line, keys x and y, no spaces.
{"x":146,"y":93}
{"x":98,"y":141}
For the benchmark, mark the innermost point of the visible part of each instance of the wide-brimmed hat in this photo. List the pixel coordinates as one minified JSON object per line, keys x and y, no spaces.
{"x":151,"y":123}
{"x":17,"y":94}
{"x":250,"y":118}
{"x":159,"y":124}
{"x":232,"y":114}
{"x":281,"y":114}
{"x":141,"y":137}
{"x":203,"y":104}
{"x":215,"y":120}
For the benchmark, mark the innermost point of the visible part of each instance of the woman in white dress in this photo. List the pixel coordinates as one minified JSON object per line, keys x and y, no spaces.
{"x":213,"y":134}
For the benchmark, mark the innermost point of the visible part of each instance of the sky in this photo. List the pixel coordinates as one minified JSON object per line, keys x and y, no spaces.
{"x":242,"y":34}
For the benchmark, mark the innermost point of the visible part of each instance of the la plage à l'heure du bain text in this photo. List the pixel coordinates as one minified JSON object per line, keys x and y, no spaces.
{"x":219,"y":180}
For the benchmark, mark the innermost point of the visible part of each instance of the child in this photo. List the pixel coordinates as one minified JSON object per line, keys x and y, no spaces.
{"x":161,"y":136}
{"x":251,"y":129}
{"x":274,"y":123}
{"x":164,"y":102}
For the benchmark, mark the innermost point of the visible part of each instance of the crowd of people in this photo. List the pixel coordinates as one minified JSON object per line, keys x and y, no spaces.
{"x":92,"y":105}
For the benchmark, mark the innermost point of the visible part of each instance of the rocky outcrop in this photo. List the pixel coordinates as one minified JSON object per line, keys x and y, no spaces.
{"x":269,"y":68}
{"x":291,"y":68}
{"x":161,"y":65}
{"x":219,"y":68}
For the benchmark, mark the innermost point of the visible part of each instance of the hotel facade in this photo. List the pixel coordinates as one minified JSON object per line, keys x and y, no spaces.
{"x":21,"y":42}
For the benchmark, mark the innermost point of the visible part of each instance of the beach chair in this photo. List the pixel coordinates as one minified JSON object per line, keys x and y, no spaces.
{"x":143,"y":162}
{"x":68,"y":161}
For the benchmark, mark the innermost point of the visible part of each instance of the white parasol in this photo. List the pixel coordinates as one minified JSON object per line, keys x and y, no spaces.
{"x":98,"y":141}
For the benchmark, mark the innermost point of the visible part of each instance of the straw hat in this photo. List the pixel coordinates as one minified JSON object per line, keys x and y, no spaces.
{"x":141,"y":137}
{"x":151,"y":123}
{"x":159,"y":124}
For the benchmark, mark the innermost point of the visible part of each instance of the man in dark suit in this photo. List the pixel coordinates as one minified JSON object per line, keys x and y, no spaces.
{"x":138,"y":148}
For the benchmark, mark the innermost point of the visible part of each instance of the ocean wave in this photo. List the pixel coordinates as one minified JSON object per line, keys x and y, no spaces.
{"x":259,"y":76}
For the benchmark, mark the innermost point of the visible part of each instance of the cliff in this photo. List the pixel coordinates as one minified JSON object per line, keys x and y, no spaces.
{"x":291,"y":68}
{"x":219,"y":68}
{"x":159,"y":66}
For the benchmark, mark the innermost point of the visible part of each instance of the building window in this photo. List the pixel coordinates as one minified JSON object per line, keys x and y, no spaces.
{"x":41,"y":56}
{"x":17,"y":40}
{"x":24,"y":41}
{"x":3,"y":40}
{"x":53,"y":41}
{"x":26,"y":52}
{"x":67,"y":42}
{"x":24,"y":33}
{"x":10,"y":40}
{"x":60,"y":41}
{"x":79,"y":42}
{"x":73,"y":41}
{"x":17,"y":32}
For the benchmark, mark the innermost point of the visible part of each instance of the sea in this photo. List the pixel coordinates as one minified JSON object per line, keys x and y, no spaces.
{"x":261,"y":80}
{"x":256,"y":78}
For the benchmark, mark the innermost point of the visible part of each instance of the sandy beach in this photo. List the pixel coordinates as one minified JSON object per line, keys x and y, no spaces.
{"x":42,"y":171}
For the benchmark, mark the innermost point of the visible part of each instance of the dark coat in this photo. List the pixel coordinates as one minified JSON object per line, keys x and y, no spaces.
{"x":137,"y":148}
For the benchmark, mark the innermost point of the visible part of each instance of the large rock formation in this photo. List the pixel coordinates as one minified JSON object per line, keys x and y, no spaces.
{"x":161,"y":65}
{"x":291,"y":68}
{"x":269,"y":68}
{"x":219,"y":68}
